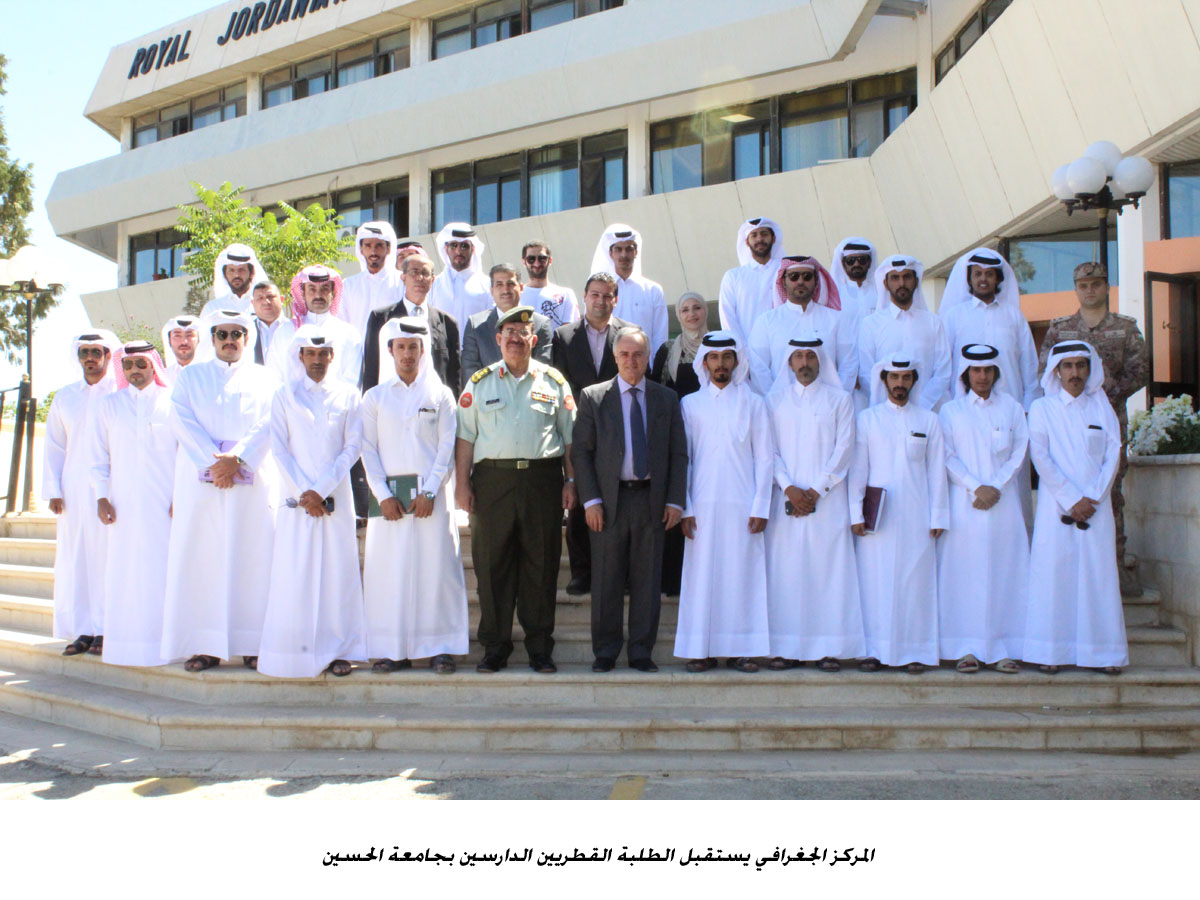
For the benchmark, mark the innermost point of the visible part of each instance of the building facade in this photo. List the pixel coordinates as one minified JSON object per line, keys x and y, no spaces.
{"x":929,"y":127}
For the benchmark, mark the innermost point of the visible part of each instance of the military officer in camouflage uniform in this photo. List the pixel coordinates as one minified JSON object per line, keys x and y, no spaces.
{"x":513,"y":465}
{"x":1119,"y":342}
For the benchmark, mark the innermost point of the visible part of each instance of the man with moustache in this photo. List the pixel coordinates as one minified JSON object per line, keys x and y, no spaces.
{"x":268,"y":317}
{"x":479,"y":345}
{"x":181,"y":344}
{"x":235,"y":270}
{"x":317,"y":300}
{"x":461,"y":289}
{"x":377,"y":285}
{"x":748,"y":290}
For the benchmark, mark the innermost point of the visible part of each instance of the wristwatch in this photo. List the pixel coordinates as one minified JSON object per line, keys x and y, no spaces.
{"x":429,"y":495}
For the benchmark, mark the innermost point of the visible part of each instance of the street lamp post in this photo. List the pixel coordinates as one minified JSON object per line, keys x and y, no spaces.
{"x":1102,"y":180}
{"x":28,"y":275}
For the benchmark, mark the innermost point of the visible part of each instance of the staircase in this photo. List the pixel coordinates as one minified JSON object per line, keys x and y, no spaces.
{"x":1153,"y":707}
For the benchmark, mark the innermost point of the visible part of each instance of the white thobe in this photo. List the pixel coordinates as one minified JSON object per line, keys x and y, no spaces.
{"x":314,"y":607}
{"x":171,"y":373}
{"x":364,"y":293}
{"x":900,"y":449}
{"x":229,"y":300}
{"x":347,"y":347}
{"x":769,"y":349}
{"x":133,"y":466}
{"x":413,"y":584}
{"x":983,"y":559}
{"x":1075,"y":612}
{"x":81,"y":540}
{"x":640,"y":302}
{"x":723,"y":597}
{"x":812,"y":583}
{"x":892,"y":330}
{"x":218,"y":564}
{"x":746,"y":293}
{"x":1004,"y":327}
{"x":558,"y":304}
{"x":858,"y":302}
{"x":461,"y":294}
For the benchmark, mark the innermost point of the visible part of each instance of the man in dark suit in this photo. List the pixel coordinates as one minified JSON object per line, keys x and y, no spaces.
{"x":629,"y":451}
{"x":417,"y":274}
{"x":583,"y":353}
{"x":480,"y":348}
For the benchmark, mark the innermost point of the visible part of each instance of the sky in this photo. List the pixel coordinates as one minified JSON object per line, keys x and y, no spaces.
{"x":53,"y":63}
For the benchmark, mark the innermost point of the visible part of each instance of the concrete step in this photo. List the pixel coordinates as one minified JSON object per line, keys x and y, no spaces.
{"x":33,"y":525}
{"x":27,"y":581}
{"x":176,"y":724}
{"x":576,"y":685}
{"x":28,"y":551}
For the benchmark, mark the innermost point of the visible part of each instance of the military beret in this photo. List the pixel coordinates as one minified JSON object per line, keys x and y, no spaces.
{"x":518,"y":314}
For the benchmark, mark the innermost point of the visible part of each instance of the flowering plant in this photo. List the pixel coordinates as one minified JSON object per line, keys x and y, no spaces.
{"x":1169,"y":427}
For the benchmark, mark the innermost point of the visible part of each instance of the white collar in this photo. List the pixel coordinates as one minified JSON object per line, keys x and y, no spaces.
{"x":626,"y":387}
{"x":977,"y":400}
{"x":897,"y":312}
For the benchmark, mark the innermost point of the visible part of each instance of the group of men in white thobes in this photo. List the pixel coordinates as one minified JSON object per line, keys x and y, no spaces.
{"x":857,"y":487}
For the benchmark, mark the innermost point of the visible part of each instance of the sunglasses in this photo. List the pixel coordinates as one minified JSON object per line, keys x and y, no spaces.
{"x":233,"y":334}
{"x":92,"y":352}
{"x":801,"y":276}
{"x":458,"y":245}
{"x":1082,"y":526}
{"x":129,"y":364}
{"x":857,"y":260}
{"x":540,"y":258}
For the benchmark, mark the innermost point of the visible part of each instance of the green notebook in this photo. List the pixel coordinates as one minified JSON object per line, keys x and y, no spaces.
{"x":403,"y":487}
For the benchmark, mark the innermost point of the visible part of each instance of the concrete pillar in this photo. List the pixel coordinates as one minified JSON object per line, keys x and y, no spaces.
{"x":925,"y":51}
{"x":1132,"y":227}
{"x":253,"y":93}
{"x":420,"y":197}
{"x":126,"y":133}
{"x":638,"y":154}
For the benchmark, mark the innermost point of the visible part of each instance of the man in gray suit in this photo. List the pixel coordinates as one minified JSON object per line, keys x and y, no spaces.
{"x":480,"y":348}
{"x":629,"y":451}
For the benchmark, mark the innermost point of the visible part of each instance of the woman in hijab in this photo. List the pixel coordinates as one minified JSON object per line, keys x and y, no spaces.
{"x":673,"y":368}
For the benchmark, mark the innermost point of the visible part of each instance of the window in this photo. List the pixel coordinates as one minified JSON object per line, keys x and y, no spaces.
{"x":1045,"y":263}
{"x":533,"y":182}
{"x":1181,"y":209}
{"x":360,"y":62}
{"x":781,"y":133}
{"x":498,"y":20}
{"x":972,"y":30}
{"x":155,"y":255}
{"x":200,"y":112}
{"x":383,"y":202}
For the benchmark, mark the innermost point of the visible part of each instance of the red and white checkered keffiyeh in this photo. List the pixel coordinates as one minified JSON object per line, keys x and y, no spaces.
{"x":138,"y":348}
{"x":311,"y":274}
{"x":826,"y":292}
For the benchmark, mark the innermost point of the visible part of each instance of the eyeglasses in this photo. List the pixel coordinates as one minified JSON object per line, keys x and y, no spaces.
{"x":1082,"y":526}
{"x":516,"y":332}
{"x":857,"y":260}
{"x":458,"y":245}
{"x":801,"y":276}
{"x":92,"y":352}
{"x":539,"y":258}
{"x":130,"y":364}
{"x":233,"y":334}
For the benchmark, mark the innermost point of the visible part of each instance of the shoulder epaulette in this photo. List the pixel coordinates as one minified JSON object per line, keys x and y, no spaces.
{"x":483,"y":373}
{"x":1125,"y":317}
{"x":556,"y":375}
{"x":1061,"y":319}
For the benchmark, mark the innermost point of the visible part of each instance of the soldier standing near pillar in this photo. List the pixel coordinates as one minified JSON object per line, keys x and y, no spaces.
{"x":1119,"y":342}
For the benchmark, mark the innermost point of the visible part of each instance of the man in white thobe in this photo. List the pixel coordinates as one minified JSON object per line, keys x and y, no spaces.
{"x":748,"y":290}
{"x":983,"y":559}
{"x":223,"y":528}
{"x":413,"y":583}
{"x":377,"y":285}
{"x":808,"y":303}
{"x":314,"y":616}
{"x":557,"y":303}
{"x":853,"y":270}
{"x":461,"y":289}
{"x":902,"y":321}
{"x":1075,"y":612}
{"x":813,"y":606}
{"x":642,"y":302}
{"x":183,"y":345}
{"x":317,"y":300}
{"x":81,"y":541}
{"x":235,"y":273}
{"x":133,"y":477}
{"x":899,"y":448}
{"x":723,"y":597}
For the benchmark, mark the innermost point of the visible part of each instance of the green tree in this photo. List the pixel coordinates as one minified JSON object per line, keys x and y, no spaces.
{"x":304,"y":238}
{"x":16,"y":203}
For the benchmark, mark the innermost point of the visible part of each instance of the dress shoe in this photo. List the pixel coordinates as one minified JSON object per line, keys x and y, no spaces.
{"x":604,"y":664}
{"x":579,"y":585}
{"x":643,"y":665}
{"x":542,"y":664}
{"x":490,"y":665}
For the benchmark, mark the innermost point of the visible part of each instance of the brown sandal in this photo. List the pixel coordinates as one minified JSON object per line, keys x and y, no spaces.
{"x":340,"y":667}
{"x":780,"y":663}
{"x":701,"y":665}
{"x":200,"y":662}
{"x":829,"y":664}
{"x":870,"y":664}
{"x":79,"y":645}
{"x":250,"y":662}
{"x":741,"y":663}
{"x":97,"y":647}
{"x":384,"y":666}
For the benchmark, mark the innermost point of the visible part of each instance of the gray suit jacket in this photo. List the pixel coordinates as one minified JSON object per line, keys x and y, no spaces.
{"x":479,"y":341}
{"x":598,"y":446}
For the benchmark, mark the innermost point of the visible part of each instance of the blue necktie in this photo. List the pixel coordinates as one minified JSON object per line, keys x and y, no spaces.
{"x":637,"y":432}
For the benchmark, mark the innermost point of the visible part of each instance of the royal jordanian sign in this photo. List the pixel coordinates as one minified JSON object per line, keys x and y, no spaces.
{"x":248,"y":20}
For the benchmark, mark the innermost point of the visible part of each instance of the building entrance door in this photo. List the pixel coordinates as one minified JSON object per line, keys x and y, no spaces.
{"x":1172,"y":337}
